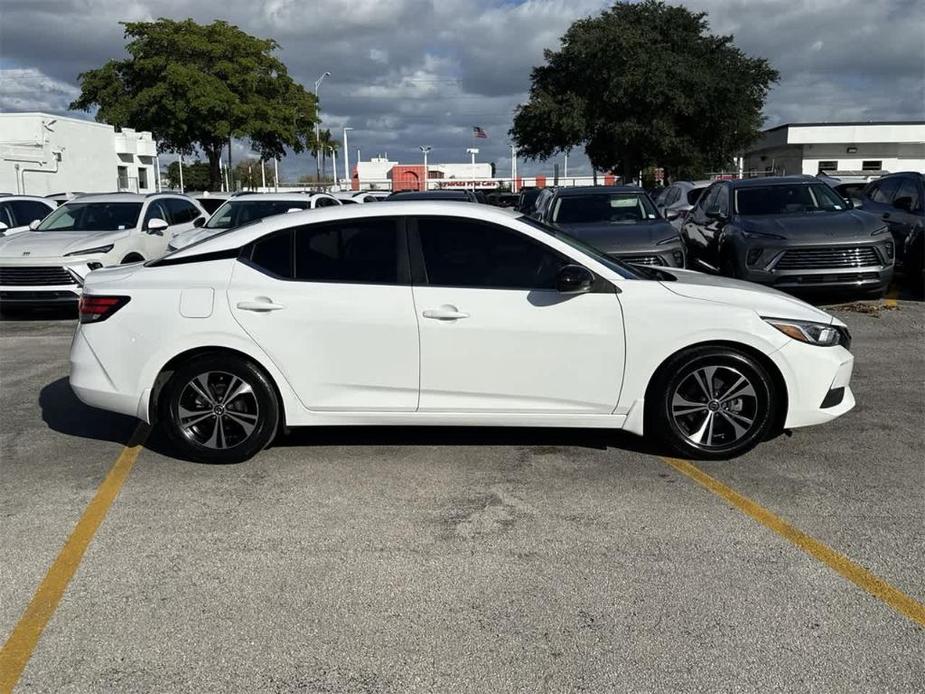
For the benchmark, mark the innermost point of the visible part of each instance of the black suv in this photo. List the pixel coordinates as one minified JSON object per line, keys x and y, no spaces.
{"x":899,"y":201}
{"x":790,"y":232}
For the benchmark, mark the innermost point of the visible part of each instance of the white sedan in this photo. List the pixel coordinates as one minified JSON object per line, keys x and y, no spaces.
{"x":440,"y":313}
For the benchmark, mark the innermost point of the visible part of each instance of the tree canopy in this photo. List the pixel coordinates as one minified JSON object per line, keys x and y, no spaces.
{"x":195,"y":175}
{"x":196,"y":86}
{"x":642,"y":84}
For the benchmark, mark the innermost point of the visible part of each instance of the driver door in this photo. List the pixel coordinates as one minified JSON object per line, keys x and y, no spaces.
{"x":496,"y":336}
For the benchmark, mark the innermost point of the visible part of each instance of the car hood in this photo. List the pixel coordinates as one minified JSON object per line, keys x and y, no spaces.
{"x":622,"y":237}
{"x":765,"y":301}
{"x":54,"y":244}
{"x":818,"y":227}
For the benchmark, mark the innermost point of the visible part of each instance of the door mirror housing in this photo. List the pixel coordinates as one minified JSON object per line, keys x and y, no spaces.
{"x":199,"y":221}
{"x":574,"y":279}
{"x":34,"y":224}
{"x":4,"y":227}
{"x":156,"y":226}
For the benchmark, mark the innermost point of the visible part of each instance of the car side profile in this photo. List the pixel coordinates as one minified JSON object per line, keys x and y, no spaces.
{"x":789,"y":232}
{"x":17,"y":212}
{"x":899,"y":201}
{"x":48,"y":264}
{"x":425,"y":313}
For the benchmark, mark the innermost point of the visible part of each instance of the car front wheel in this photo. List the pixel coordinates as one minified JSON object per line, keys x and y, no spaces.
{"x":712,"y":403}
{"x":219,"y":409}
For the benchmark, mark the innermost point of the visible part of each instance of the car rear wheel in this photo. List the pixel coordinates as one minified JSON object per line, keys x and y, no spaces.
{"x":712,"y":403}
{"x":219,"y":409}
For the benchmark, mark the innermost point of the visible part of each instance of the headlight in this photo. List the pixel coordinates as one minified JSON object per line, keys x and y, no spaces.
{"x":89,"y":251}
{"x":881,"y":230}
{"x":812,"y":333}
{"x":761,"y":235}
{"x":670,"y":239}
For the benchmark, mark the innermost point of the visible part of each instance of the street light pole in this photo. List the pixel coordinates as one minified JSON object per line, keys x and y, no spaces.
{"x":347,"y":160}
{"x":318,"y":126}
{"x":425,"y":149}
{"x":334,"y":164}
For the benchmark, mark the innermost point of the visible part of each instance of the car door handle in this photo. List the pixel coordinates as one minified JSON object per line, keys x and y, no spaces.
{"x":259,"y":305}
{"x":446,"y":312}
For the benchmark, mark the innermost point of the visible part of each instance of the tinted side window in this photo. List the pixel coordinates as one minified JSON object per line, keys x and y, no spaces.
{"x":464,"y":253}
{"x":722,"y":200}
{"x":884,"y":190}
{"x":907,"y":191}
{"x":156,"y":210}
{"x":181,"y":211}
{"x":362,"y":251}
{"x":708,"y":201}
{"x":5,"y":216}
{"x":273,"y":254}
{"x":27,"y":211}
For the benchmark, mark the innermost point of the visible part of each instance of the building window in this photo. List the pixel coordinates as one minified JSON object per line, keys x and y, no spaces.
{"x":142,"y":178}
{"x":828,"y":166}
{"x":123,"y":177}
{"x":872,"y":165}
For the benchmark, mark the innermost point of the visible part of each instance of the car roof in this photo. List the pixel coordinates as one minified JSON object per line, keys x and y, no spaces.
{"x":585,"y":190}
{"x":436,"y":194}
{"x":770,"y":181}
{"x":285,"y":197}
{"x":32,"y":198}
{"x":237,"y":237}
{"x":125,"y":197}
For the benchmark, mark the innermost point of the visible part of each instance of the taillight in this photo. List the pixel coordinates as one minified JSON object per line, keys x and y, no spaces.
{"x":95,"y":308}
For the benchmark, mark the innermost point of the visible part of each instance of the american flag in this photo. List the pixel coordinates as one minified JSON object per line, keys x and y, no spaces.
{"x":479,"y":133}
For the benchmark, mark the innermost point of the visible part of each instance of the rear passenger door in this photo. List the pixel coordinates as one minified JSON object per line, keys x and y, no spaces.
{"x":496,"y":335}
{"x":331,"y":305}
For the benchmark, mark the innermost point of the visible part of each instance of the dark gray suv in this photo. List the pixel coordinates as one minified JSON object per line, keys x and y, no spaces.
{"x":899,"y":200}
{"x":620,"y":221}
{"x":791,"y":233}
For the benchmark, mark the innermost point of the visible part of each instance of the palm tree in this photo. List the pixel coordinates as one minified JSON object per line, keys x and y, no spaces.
{"x":325,"y":143}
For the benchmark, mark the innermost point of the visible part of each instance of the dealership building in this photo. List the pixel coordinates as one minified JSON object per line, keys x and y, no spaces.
{"x":865,"y":149}
{"x":42,"y":154}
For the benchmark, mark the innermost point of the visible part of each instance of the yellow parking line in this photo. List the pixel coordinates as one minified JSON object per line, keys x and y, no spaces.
{"x":19,"y":646}
{"x":861,"y":577}
{"x":892,"y":296}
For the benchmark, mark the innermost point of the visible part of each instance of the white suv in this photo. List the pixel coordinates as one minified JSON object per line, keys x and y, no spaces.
{"x":17,"y":212}
{"x":48,"y":264}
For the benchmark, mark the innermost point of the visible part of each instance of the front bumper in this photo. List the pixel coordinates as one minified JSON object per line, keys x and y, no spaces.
{"x":818,"y":382}
{"x":772,"y":266}
{"x":658,"y":256}
{"x":40,"y":283}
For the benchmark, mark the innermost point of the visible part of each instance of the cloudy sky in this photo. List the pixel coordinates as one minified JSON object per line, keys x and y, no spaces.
{"x":413,"y":72}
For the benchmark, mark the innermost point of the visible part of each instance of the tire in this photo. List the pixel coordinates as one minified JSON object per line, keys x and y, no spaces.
{"x":728,"y":267}
{"x":219,"y":409}
{"x":680,"y":409}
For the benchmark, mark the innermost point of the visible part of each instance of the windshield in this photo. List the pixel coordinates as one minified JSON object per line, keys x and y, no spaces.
{"x":618,"y":267}
{"x":797,"y":198}
{"x":210,"y":204}
{"x":92,"y":216}
{"x":234,"y":213}
{"x":606,"y":208}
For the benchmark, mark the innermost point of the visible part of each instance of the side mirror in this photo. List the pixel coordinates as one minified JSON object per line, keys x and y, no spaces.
{"x":574,"y":279}
{"x":156,"y":226}
{"x":199,"y":221}
{"x":34,"y":224}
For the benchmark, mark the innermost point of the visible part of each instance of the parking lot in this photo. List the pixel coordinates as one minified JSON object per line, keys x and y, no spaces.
{"x":373,"y":560}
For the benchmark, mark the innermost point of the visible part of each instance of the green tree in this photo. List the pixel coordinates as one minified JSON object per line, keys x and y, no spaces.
{"x":195,"y":175}
{"x":197,"y":86}
{"x":642,"y":84}
{"x":322,"y":147}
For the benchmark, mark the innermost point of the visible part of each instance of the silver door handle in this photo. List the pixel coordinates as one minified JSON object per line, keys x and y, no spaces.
{"x":445,"y":313}
{"x":259,"y":306}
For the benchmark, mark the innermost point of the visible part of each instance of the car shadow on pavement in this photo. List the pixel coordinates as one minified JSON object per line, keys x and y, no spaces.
{"x":65,"y":414}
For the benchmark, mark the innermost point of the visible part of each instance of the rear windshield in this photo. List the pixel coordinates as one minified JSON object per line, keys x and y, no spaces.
{"x":607,"y":208}
{"x":798,"y":198}
{"x":234,"y":213}
{"x":92,"y":216}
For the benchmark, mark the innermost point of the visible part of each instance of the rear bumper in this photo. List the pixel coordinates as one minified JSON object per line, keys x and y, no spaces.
{"x":93,"y":386}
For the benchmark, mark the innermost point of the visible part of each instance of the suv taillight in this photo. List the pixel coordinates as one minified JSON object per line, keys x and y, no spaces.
{"x":95,"y":308}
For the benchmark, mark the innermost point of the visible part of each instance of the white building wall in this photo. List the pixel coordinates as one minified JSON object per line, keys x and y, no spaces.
{"x":893,"y":156}
{"x":42,"y":154}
